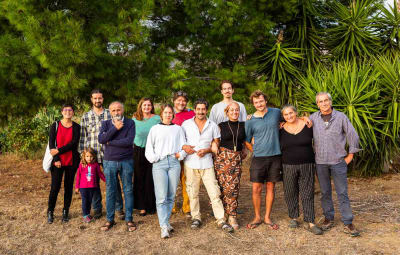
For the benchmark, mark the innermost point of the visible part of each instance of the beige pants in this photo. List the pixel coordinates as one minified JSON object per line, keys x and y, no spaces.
{"x":193,"y":178}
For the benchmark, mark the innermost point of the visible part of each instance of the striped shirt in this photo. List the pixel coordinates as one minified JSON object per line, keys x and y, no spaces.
{"x":90,"y":128}
{"x":330,"y":138}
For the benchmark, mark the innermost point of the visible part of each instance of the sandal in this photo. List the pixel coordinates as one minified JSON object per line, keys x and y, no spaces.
{"x":130,"y":226}
{"x":226,"y":227}
{"x":314,"y":229}
{"x":272,"y":225}
{"x":293,"y":223}
{"x":233,"y":222}
{"x":253,"y":225}
{"x":108,"y":225}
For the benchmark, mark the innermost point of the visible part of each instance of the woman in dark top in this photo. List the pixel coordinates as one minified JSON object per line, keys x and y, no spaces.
{"x":298,"y":164}
{"x":143,"y":185}
{"x":228,"y":161}
{"x":63,"y":143}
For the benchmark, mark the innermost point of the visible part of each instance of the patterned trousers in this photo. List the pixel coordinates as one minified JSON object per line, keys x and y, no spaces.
{"x":228,"y":170}
{"x":298,"y":180}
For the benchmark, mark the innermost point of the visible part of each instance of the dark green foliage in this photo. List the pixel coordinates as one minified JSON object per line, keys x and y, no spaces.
{"x":54,"y":51}
{"x":26,"y":135}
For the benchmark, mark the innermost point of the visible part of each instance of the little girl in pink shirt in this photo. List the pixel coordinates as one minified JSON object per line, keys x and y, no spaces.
{"x":87,"y":180}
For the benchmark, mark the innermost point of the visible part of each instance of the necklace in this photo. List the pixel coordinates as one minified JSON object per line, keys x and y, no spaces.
{"x":233,"y":135}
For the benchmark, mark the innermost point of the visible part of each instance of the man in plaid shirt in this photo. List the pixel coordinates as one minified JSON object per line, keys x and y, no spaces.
{"x":90,"y":128}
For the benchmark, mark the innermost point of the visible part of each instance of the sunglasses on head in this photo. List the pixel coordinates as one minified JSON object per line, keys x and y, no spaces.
{"x":181,"y":93}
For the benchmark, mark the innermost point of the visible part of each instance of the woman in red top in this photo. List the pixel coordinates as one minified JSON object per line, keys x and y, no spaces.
{"x":63,"y":143}
{"x":180,"y":101}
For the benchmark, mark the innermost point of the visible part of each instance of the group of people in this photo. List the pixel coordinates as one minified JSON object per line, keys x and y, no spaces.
{"x":150,"y":155}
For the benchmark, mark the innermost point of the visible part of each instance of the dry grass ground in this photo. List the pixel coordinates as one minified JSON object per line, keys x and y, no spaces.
{"x":24,"y":191}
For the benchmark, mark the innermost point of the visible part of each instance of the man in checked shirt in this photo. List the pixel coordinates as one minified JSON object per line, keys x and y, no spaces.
{"x":332,"y":130}
{"x":90,"y":128}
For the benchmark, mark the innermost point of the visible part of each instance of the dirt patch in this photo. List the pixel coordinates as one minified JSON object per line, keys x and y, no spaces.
{"x":24,"y":191}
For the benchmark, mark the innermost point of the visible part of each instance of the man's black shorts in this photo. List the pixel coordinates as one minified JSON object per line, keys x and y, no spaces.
{"x":266,"y":169}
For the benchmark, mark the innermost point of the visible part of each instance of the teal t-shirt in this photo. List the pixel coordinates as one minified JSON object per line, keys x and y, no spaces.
{"x":265,"y":131}
{"x":143,"y":129}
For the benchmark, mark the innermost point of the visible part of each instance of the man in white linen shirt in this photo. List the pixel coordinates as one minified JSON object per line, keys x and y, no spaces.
{"x":217,"y":113}
{"x":198,"y":164}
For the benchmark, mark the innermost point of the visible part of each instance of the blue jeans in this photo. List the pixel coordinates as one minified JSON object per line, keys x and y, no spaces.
{"x":96,"y":201}
{"x":125,"y":170}
{"x":166,"y":176}
{"x":339,"y":175}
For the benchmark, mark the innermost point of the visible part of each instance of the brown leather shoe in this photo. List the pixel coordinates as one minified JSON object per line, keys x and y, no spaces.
{"x":327,"y":224}
{"x":351,"y":230}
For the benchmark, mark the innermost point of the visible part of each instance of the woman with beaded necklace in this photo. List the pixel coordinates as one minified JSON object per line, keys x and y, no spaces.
{"x":228,"y":161}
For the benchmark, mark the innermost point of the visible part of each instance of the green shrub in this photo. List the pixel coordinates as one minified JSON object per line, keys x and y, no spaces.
{"x":28,"y":135}
{"x":367,"y":93}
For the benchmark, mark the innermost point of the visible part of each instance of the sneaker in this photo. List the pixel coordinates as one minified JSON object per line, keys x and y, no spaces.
{"x":121,"y":215}
{"x":164,"y":233}
{"x":170,"y":229}
{"x":293,"y":223}
{"x":351,"y":230}
{"x":327,"y":224}
{"x":195,"y":224}
{"x":226,"y":227}
{"x":87,"y":219}
{"x":97,"y":214}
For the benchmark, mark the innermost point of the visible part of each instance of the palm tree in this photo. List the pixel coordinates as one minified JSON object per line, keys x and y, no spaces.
{"x":351,"y":34}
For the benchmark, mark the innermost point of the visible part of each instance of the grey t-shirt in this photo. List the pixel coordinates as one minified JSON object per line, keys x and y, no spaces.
{"x":217,"y":114}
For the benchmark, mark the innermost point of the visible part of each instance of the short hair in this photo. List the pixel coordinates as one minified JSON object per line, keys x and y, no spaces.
{"x":286,"y":106}
{"x":96,"y":91}
{"x":257,"y":93}
{"x":165,"y":106}
{"x":178,"y":94}
{"x":200,"y":101}
{"x":226,"y":110}
{"x":116,"y":102}
{"x":323,"y":94}
{"x":225,"y":81}
{"x":139,"y":113}
{"x":66,"y":105}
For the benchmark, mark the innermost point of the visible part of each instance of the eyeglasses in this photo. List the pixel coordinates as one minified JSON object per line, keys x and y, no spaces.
{"x":68,"y":110}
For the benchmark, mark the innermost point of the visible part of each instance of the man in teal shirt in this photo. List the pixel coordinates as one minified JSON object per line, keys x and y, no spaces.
{"x":266,"y":164}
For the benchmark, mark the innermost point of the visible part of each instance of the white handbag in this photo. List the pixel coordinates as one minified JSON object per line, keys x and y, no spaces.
{"x":48,"y":158}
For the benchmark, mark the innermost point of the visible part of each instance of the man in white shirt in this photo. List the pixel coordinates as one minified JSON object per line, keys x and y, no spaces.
{"x":198,"y":164}
{"x":217,"y":113}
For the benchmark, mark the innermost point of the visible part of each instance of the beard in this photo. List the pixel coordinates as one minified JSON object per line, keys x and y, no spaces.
{"x":98,"y":104}
{"x":117,"y":117}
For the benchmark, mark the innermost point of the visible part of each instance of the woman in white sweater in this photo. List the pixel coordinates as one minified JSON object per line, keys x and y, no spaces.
{"x":164,"y":150}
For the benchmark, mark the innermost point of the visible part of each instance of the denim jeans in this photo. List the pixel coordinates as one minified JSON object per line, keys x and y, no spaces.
{"x":166,"y":175}
{"x":339,"y":175}
{"x":111,"y":171}
{"x":96,"y":201}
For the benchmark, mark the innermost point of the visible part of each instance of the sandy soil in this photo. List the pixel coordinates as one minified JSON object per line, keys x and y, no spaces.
{"x":24,"y":191}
